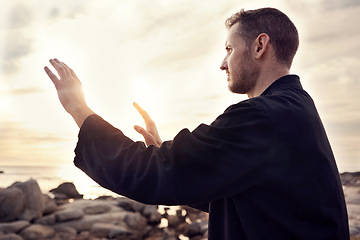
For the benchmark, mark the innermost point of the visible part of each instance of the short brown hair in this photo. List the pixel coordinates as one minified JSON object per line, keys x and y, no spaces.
{"x":282,"y":32}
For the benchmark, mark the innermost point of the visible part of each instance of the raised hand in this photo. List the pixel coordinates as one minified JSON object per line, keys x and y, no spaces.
{"x":70,"y":91}
{"x":150,"y":134}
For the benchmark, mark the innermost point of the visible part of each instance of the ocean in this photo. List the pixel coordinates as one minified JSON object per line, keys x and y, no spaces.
{"x":49,"y":177}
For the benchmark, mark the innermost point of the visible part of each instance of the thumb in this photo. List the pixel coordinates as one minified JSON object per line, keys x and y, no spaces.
{"x":139,"y":129}
{"x":142,"y":131}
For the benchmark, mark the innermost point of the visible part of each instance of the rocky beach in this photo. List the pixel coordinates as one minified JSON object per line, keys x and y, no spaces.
{"x":26,"y":213}
{"x":62,"y":214}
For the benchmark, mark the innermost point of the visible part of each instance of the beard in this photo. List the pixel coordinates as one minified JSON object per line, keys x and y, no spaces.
{"x":244,"y":80}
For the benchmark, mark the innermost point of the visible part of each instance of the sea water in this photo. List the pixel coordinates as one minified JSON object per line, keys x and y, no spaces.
{"x":49,"y":177}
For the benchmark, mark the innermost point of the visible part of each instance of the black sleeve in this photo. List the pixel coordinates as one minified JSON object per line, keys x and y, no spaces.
{"x":202,"y":207}
{"x":212,"y":162}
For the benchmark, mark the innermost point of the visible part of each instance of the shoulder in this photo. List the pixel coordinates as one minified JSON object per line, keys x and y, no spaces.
{"x":242,"y":113}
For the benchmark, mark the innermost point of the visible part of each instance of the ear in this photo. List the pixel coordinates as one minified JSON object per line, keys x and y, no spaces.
{"x":261,"y":44}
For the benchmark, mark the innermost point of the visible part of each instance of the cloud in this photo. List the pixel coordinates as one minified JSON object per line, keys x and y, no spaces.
{"x":16,"y":46}
{"x":21,"y":20}
{"x":17,"y":42}
{"x":18,"y":144}
{"x":22,"y":91}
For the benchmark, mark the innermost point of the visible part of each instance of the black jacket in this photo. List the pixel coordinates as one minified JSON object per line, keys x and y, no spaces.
{"x":264,"y":169}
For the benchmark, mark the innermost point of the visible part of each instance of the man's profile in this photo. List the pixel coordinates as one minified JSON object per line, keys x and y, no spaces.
{"x":263,"y":169}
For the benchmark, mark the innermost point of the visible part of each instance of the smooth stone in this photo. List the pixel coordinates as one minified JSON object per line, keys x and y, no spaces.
{"x":34,"y":201}
{"x":47,"y":220}
{"x":67,"y":233}
{"x":69,"y":189}
{"x":135,"y":221}
{"x":50,"y":205}
{"x":97,"y":209}
{"x":101,"y":229}
{"x":12,"y":204}
{"x":86,"y":222}
{"x":11,"y":236}
{"x":68,"y":215}
{"x":36,"y":232}
{"x":13,"y":227}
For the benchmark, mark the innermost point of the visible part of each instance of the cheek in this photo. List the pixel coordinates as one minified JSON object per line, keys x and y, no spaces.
{"x":234,"y":59}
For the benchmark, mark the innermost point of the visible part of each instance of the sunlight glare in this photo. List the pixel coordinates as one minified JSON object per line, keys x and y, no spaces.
{"x":147,"y":96}
{"x":83,"y":183}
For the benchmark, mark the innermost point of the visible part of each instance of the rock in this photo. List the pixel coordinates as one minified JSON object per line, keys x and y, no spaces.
{"x":353,"y":211}
{"x":352,"y":194}
{"x":12,"y":204}
{"x":182,"y":228}
{"x":60,"y":199}
{"x":34,"y":204}
{"x":135,"y":221}
{"x":138,"y":206}
{"x":101,"y":229}
{"x":169,"y":234}
{"x":11,"y":236}
{"x":36,"y":232}
{"x":84,"y":235}
{"x":105,"y":197}
{"x":354,"y":230}
{"x":194,"y":214}
{"x":67,"y":233}
{"x":197,"y":228}
{"x":67,"y":188}
{"x":68,"y":215}
{"x":50,"y":205}
{"x":106,"y":230}
{"x":97,"y":209}
{"x":47,"y":220}
{"x":348,"y":178}
{"x":175,"y":220}
{"x":85,"y":223}
{"x":152,"y":214}
{"x":155,"y":234}
{"x":121,"y":232}
{"x":126,"y":204}
{"x":13,"y":227}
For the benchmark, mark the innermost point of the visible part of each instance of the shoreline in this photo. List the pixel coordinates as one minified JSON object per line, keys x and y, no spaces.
{"x":26,"y":213}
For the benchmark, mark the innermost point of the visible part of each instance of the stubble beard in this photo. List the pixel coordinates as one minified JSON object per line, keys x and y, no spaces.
{"x":244,"y":81}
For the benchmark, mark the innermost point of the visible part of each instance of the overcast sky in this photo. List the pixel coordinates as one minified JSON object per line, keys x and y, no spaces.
{"x":166,"y":56}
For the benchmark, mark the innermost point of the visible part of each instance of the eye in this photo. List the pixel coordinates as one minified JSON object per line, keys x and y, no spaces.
{"x":228,"y":49}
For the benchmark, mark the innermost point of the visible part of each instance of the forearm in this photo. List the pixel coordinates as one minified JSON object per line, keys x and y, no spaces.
{"x":79,"y":114}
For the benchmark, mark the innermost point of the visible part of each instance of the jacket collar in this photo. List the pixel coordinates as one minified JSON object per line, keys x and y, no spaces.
{"x":286,"y":81}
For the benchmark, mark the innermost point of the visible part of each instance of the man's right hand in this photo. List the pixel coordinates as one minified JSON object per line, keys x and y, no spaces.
{"x":69,"y":91}
{"x":150,"y":134}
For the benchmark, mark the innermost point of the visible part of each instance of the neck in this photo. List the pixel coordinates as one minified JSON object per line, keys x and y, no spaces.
{"x":265,"y":79}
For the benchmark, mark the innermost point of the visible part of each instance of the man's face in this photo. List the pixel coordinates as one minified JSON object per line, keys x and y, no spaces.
{"x":239,"y":65}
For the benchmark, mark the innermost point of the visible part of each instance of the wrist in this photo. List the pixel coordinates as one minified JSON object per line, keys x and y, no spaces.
{"x":80,"y":113}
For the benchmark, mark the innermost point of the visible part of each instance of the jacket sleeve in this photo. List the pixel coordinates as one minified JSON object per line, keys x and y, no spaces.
{"x":214,"y":161}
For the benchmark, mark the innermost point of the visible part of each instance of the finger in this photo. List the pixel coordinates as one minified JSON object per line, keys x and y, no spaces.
{"x":144,"y":115}
{"x":61,"y":68}
{"x":58,"y":67}
{"x":149,"y":139}
{"x":65,"y":67}
{"x":72,"y":72}
{"x":52,"y":76}
{"x":139,"y":129}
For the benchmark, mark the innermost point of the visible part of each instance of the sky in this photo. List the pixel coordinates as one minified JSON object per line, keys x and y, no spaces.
{"x":166,"y":56}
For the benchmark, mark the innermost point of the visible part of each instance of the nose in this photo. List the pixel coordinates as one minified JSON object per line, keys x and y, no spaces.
{"x":224,"y":65}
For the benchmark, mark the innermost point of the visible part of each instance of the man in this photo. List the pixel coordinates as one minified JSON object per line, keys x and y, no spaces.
{"x":264,"y":169}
